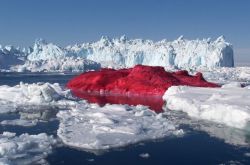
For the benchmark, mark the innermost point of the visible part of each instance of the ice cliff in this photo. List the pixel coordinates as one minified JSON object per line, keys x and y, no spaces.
{"x":120,"y":53}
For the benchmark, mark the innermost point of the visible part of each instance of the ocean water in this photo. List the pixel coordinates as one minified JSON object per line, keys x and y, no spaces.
{"x":203,"y":142}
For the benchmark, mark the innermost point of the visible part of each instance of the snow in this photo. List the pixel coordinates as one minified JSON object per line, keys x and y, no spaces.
{"x":91,"y":127}
{"x":228,"y":105}
{"x":118,"y":53}
{"x":25,"y":149}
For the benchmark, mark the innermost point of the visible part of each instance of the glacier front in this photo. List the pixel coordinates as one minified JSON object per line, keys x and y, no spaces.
{"x":180,"y":53}
{"x":118,"y":53}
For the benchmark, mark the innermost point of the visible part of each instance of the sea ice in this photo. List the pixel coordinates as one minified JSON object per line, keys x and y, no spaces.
{"x":25,"y":149}
{"x":91,"y":127}
{"x":19,"y":122}
{"x":228,"y":105}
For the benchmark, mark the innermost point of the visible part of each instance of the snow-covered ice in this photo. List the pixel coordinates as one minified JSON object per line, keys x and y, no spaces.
{"x":91,"y":127}
{"x":228,"y":105}
{"x":25,"y":149}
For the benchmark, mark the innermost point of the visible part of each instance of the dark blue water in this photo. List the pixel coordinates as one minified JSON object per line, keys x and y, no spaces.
{"x":195,"y":147}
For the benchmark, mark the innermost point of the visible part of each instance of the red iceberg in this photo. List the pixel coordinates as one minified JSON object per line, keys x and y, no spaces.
{"x":143,"y":85}
{"x":140,"y":80}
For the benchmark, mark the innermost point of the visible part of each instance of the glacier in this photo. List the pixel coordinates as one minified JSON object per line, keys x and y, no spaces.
{"x":118,"y":53}
{"x":181,"y":53}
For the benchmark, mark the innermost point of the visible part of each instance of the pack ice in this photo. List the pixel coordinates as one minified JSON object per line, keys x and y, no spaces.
{"x":25,"y":149}
{"x":91,"y":127}
{"x":228,"y":105}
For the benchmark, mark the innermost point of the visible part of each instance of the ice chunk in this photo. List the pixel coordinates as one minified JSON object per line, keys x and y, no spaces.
{"x":144,"y":155}
{"x":25,"y":149}
{"x":92,"y":127}
{"x":228,"y":105}
{"x":36,"y":94}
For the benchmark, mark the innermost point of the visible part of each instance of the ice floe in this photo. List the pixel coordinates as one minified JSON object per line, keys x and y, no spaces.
{"x":91,"y":127}
{"x":228,"y":105}
{"x":25,"y":149}
{"x":19,"y":122}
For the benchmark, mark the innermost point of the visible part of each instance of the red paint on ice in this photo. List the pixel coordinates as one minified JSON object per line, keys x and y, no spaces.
{"x":140,"y":80}
{"x":139,"y":85}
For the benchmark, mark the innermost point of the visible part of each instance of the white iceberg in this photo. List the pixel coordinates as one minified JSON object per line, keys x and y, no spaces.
{"x":228,"y":105}
{"x":11,"y":56}
{"x":91,"y":127}
{"x":25,"y":149}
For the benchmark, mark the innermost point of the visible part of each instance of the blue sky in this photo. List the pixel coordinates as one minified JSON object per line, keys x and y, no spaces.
{"x":70,"y":21}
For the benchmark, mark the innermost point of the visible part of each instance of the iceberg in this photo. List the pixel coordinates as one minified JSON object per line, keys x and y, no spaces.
{"x":11,"y":56}
{"x":139,"y":80}
{"x":181,"y":53}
